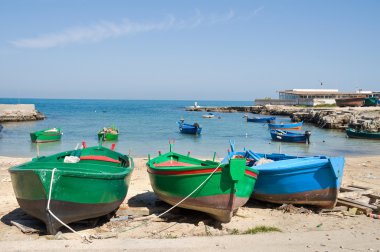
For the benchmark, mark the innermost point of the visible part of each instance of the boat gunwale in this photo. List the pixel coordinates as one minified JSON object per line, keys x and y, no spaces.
{"x":198,"y":167}
{"x":75,"y":169}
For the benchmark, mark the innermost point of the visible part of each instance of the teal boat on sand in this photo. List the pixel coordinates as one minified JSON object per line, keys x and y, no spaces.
{"x":211,"y":187}
{"x":72,"y":185}
{"x":46,"y":135}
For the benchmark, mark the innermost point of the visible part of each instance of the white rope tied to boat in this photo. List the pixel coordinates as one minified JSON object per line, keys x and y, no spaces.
{"x":55,"y":217}
{"x":152,"y":217}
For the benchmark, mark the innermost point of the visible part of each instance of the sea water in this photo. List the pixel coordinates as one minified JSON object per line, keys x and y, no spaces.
{"x":146,"y":127}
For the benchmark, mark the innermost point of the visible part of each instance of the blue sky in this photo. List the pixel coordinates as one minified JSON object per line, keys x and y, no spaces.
{"x":194,"y":50}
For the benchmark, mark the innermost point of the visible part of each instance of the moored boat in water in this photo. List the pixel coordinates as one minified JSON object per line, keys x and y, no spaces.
{"x":208,"y":115}
{"x":46,"y":135}
{"x":350,"y":102}
{"x":286,"y":126}
{"x":261,"y":119}
{"x":288,"y":136}
{"x":211,"y":187}
{"x":72,"y":185}
{"x":353,"y":133}
{"x":296,"y":180}
{"x":108,"y":134}
{"x":185,"y":128}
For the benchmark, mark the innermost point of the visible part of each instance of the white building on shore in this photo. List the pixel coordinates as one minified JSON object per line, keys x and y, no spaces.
{"x":311,"y":97}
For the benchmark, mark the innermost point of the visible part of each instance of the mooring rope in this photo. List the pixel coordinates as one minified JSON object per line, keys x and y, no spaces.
{"x":151,"y":217}
{"x":54,"y":216}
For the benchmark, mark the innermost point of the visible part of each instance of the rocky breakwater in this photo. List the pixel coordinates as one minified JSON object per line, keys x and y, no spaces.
{"x":366,"y":118}
{"x":341,"y":118}
{"x":19,"y":112}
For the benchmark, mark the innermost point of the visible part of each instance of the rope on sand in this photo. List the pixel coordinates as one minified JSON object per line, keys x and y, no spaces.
{"x":152,"y":217}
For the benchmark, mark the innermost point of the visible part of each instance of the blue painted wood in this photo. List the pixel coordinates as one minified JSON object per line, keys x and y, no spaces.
{"x":285,"y":125}
{"x":261,"y":119}
{"x":185,"y":128}
{"x":288,"y":136}
{"x":289,"y":179}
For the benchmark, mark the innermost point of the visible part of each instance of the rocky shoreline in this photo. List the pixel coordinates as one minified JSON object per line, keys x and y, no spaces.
{"x":366,"y":118}
{"x":19,"y":113}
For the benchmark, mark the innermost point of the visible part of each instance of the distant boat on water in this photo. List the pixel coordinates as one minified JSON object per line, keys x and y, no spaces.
{"x":209,"y":115}
{"x":185,"y":128}
{"x":288,"y":136}
{"x":286,"y":126}
{"x":353,"y":133}
{"x":47,"y":135}
{"x":350,"y":102}
{"x":108,"y":134}
{"x":261,"y":119}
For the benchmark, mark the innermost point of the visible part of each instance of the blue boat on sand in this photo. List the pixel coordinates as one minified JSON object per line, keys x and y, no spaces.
{"x":261,"y":119}
{"x":286,"y":126}
{"x":185,"y":128}
{"x":295,"y":180}
{"x":288,"y":136}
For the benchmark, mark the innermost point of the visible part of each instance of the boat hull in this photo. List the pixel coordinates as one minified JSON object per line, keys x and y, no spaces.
{"x":362,"y":134}
{"x":186,"y":128}
{"x":371,"y":101}
{"x":350,"y":102}
{"x":67,"y":211}
{"x":312,"y":181}
{"x":287,"y":137}
{"x":193,"y":131}
{"x":108,"y":136}
{"x":261,"y":119}
{"x":286,"y":126}
{"x":45,"y":137}
{"x":78,"y":192}
{"x":219,"y":197}
{"x":212,"y":205}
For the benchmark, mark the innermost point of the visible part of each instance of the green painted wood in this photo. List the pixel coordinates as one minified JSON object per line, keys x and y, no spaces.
{"x":46,"y":135}
{"x":370,"y":101}
{"x":177,"y":182}
{"x":362,"y":134}
{"x":112,"y":134}
{"x":88,"y":181}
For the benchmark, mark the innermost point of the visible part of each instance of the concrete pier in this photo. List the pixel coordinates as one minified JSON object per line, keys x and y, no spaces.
{"x":19,"y":112}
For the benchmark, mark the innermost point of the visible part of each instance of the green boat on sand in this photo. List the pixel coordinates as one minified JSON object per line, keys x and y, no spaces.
{"x":226,"y":186}
{"x":353,"y":133}
{"x":108,"y":134}
{"x":47,"y":135}
{"x":84,"y":183}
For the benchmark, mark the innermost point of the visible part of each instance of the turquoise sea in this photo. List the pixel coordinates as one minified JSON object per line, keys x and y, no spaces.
{"x":146,"y":126}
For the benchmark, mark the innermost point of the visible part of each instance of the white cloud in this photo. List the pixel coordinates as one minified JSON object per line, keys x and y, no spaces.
{"x":105,"y":30}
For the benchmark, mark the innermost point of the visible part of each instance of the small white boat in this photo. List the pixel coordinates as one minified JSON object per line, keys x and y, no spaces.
{"x":209,"y":115}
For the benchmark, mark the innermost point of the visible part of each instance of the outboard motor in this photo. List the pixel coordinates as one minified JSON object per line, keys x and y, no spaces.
{"x":307,"y":135}
{"x":196,"y":125}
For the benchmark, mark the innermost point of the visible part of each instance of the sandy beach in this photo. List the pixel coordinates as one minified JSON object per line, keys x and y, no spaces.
{"x":301,"y":229}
